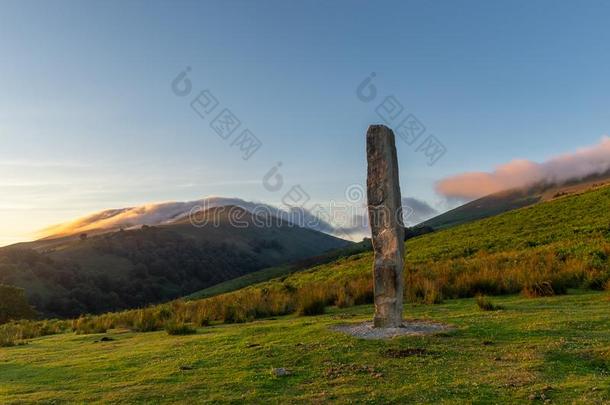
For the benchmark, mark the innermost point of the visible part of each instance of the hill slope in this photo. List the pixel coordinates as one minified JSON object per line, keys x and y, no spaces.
{"x":66,"y":277}
{"x":575,"y":227}
{"x":539,"y":250}
{"x":282,"y":271}
{"x":479,"y":209}
{"x":508,"y":200}
{"x":564,"y":242}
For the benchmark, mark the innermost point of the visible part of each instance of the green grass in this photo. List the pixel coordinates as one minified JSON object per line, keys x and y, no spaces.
{"x":556,"y":346}
{"x":573,"y":227}
{"x":575,"y":219}
{"x":508,"y":200}
{"x":538,"y":251}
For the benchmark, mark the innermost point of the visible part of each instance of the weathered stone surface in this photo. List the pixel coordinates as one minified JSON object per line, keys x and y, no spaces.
{"x":385,"y":217}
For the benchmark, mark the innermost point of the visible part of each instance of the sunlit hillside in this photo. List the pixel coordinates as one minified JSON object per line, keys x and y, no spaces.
{"x":541,"y":253}
{"x":137,"y":267}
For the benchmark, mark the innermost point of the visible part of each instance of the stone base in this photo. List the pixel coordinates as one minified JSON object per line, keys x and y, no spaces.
{"x":367,"y":331}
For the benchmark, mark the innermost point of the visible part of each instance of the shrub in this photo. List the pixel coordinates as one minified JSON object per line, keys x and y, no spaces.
{"x":14,"y":333}
{"x":173,"y":328}
{"x":361,"y":289}
{"x":541,"y":289}
{"x":9,"y":335}
{"x":597,"y":281}
{"x":14,"y":305}
{"x":344,"y":298}
{"x":425,"y":291}
{"x":147,"y":320}
{"x":233,"y":313}
{"x":48,"y":327}
{"x":165,"y":313}
{"x":311,"y":301}
{"x":88,"y":325}
{"x":485,"y":304}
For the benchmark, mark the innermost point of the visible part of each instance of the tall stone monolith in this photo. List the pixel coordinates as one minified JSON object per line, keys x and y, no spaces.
{"x":385,"y":217}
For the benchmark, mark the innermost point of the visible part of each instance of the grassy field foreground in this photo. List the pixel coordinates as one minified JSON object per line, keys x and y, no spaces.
{"x":555,"y":348}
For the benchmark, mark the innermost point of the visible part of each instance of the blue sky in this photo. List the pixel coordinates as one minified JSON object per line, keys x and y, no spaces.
{"x":88,"y":119}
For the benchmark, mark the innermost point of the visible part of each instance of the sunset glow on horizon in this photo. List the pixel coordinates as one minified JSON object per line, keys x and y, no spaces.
{"x":89,"y":120}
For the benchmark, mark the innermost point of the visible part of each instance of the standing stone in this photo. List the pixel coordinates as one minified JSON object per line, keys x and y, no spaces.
{"x":385,"y":217}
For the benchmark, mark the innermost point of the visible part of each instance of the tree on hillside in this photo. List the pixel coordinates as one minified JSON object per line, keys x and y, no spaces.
{"x":14,"y":305}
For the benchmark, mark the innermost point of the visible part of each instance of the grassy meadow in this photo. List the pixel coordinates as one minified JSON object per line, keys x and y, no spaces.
{"x":554,"y":348}
{"x":527,"y":293}
{"x":536,"y":251}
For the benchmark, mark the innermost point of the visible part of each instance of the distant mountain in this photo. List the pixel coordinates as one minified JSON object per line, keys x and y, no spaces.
{"x":168,"y":212}
{"x":508,"y":200}
{"x":112,"y":270}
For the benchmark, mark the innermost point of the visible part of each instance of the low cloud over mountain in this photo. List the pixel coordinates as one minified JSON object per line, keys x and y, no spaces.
{"x":357,"y":225}
{"x":520,"y":173}
{"x":349,"y":222}
{"x":165,"y":213}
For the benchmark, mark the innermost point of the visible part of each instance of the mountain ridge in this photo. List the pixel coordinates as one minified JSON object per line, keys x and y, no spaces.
{"x":152,"y":264}
{"x":164,"y":213}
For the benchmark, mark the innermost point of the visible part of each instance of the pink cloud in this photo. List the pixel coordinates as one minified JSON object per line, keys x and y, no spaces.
{"x":520,"y":173}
